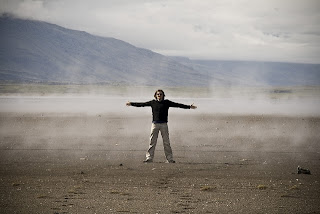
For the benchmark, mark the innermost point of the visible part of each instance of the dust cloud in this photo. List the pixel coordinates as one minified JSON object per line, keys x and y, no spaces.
{"x":226,"y":119}
{"x":297,"y":102}
{"x":75,"y":121}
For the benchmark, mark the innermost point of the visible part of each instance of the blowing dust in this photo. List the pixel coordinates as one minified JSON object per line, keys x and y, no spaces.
{"x":243,"y":122}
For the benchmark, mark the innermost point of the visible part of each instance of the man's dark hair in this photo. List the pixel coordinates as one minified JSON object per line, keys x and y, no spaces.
{"x":159,"y":90}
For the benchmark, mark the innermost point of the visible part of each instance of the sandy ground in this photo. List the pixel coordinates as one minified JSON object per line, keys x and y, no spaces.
{"x":78,"y":163}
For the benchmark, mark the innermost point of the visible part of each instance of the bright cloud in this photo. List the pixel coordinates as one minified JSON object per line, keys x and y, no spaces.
{"x":270,"y":30}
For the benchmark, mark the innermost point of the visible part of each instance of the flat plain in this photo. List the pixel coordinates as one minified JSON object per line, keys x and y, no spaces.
{"x":76,"y":163}
{"x":84,"y":155}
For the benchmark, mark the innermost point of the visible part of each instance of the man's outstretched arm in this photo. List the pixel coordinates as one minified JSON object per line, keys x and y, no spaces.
{"x":138,"y":104}
{"x":179,"y":105}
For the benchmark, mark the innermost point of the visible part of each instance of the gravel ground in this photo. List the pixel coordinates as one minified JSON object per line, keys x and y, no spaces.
{"x":78,"y":163}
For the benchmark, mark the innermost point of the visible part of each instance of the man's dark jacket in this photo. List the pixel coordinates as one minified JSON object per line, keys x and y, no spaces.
{"x":160,"y":109}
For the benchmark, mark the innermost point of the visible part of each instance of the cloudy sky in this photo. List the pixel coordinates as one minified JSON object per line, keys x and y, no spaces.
{"x":267,"y":30}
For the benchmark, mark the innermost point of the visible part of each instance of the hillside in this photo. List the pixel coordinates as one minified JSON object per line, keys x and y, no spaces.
{"x":35,"y":51}
{"x":255,"y":73}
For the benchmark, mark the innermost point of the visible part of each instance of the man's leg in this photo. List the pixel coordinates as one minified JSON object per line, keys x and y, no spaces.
{"x":153,"y":141}
{"x":166,"y":142}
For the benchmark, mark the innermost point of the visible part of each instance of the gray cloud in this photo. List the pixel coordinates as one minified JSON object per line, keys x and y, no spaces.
{"x":275,"y":30}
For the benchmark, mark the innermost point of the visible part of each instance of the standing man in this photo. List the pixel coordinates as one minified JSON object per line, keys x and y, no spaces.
{"x":160,"y":108}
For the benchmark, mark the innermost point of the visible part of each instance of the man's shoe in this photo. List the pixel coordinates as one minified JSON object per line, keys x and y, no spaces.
{"x":148,"y":161}
{"x":170,"y":161}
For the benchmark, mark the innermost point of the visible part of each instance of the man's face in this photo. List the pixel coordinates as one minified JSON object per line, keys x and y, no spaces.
{"x":159,"y":96}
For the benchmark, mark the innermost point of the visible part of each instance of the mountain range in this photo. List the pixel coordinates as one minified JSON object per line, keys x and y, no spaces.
{"x":39,"y":52}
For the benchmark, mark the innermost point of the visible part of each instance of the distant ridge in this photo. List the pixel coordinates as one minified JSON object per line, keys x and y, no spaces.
{"x":255,"y":73}
{"x":36,"y":51}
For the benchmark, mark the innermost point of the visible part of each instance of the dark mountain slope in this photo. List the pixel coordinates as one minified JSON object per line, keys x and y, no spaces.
{"x":42,"y":52}
{"x":34,"y":51}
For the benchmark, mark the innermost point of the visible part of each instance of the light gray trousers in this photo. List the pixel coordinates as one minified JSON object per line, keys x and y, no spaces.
{"x":163,"y":128}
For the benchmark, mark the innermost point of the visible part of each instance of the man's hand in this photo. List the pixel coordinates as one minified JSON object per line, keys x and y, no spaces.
{"x":193,"y":106}
{"x":128,"y":104}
